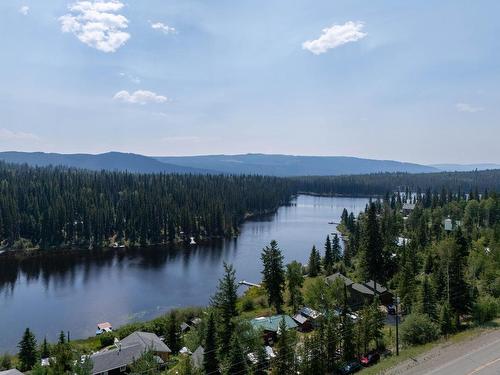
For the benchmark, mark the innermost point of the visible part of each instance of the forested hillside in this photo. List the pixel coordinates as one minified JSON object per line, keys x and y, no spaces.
{"x":44,"y":207}
{"x":381,"y":183}
{"x":59,"y":207}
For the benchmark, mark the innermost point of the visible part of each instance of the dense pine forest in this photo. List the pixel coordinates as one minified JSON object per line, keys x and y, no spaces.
{"x":58,"y":207}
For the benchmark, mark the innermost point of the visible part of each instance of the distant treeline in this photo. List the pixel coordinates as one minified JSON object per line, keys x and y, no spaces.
{"x":382,"y":183}
{"x":46,"y":207}
{"x":60,"y":207}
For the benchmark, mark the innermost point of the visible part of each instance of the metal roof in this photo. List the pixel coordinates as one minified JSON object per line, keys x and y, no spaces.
{"x":148,"y":341}
{"x":272,"y":323}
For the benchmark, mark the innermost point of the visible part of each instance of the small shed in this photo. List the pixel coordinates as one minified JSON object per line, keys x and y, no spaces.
{"x":448,"y":225}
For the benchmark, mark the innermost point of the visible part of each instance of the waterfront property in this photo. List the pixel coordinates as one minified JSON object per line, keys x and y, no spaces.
{"x":127,"y":351}
{"x":270,"y":326}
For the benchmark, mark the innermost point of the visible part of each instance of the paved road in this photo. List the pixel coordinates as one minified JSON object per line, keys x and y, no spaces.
{"x":479,"y":355}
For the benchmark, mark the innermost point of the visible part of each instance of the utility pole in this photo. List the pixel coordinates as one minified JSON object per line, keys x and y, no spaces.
{"x":397,"y":324}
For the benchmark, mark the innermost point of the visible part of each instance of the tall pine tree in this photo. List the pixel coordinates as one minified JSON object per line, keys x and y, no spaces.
{"x":273,"y":274}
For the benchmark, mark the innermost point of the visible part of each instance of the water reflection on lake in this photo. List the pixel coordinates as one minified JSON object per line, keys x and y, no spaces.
{"x":73,"y":292}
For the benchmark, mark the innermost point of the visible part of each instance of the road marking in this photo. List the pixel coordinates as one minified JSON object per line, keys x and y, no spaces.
{"x":484,"y":366}
{"x":438,"y":369}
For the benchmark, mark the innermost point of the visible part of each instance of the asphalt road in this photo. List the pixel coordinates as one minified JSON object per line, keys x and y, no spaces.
{"x":479,"y":355}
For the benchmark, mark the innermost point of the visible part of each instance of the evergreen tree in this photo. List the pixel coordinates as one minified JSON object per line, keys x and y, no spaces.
{"x":260,"y":368}
{"x":328,"y":260}
{"x":295,"y":281}
{"x":210,"y":362}
{"x":348,"y":338}
{"x":173,"y":334}
{"x":5,"y":362}
{"x":336,"y":250}
{"x":445,"y":319}
{"x":314,"y":265}
{"x":273,"y":274}
{"x":44,"y":349}
{"x":224,"y":302}
{"x":237,"y":363}
{"x":27,"y":351}
{"x":459,"y":290}
{"x":63,"y":356}
{"x":284,"y":363}
{"x":371,"y":261}
{"x":426,"y":299}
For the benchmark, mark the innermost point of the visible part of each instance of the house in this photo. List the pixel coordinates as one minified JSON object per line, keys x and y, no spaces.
{"x":270,"y":326}
{"x":11,"y":372}
{"x":312,"y":315}
{"x":195,"y":322}
{"x":127,"y":351}
{"x":361,"y":293}
{"x":408,"y":208}
{"x":198,"y":357}
{"x":385,"y":297}
{"x":304,"y":325}
{"x":185,"y":327}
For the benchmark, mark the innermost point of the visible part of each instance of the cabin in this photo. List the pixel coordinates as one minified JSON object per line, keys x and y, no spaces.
{"x":313,"y":316}
{"x":408,"y":208}
{"x":127,"y":351}
{"x":361,"y":293}
{"x":304,"y":325}
{"x":270,"y":326}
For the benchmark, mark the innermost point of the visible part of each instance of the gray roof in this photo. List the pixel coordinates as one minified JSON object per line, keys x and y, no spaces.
{"x":11,"y":372}
{"x":347,"y":281}
{"x":148,"y":341}
{"x":300,"y":319}
{"x":362,"y":289}
{"x":198,"y":357}
{"x":113,"y":359}
{"x":132,"y":348}
{"x":380,"y":287}
{"x":408,"y":206}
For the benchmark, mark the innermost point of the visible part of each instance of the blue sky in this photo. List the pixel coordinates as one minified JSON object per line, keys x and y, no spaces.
{"x":415,"y":80}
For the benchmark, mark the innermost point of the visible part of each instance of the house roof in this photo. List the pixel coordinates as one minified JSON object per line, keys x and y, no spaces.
{"x":362,"y":289}
{"x":184,"y":326}
{"x":272,"y":323}
{"x":198,"y":357}
{"x":380,"y":287}
{"x":113,"y":359}
{"x":148,"y":341}
{"x":408,"y":206}
{"x":310,"y":313}
{"x":300,"y":319}
{"x":331,"y":279}
{"x":11,"y":372}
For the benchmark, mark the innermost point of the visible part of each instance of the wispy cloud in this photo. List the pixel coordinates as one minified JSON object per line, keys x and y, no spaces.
{"x":131,"y":78}
{"x":10,"y":135}
{"x":24,"y":10}
{"x":165,"y":29}
{"x":140,"y":97}
{"x":335,"y":36}
{"x":465,"y":107}
{"x":97,"y":24}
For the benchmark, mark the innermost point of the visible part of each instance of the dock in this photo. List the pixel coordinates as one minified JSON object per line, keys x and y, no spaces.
{"x":247,"y":283}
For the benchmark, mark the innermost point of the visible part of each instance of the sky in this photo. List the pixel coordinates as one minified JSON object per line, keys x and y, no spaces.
{"x":408,"y":80}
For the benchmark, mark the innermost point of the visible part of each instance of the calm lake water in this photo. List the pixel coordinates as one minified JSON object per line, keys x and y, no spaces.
{"x":74,"y":292}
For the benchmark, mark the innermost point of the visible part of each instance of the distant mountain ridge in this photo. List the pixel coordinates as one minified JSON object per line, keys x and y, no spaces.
{"x":110,"y":161}
{"x":263,"y":164}
{"x":290,"y":165}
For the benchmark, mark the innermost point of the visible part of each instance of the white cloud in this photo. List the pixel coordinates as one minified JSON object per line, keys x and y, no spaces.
{"x":9,"y":135}
{"x":96,"y":24}
{"x":464,"y":107}
{"x":335,"y":36}
{"x":140,"y":97}
{"x":163,"y":28}
{"x":24,"y":10}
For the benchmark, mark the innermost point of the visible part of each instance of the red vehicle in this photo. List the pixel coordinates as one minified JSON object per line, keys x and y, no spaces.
{"x":370,"y":359}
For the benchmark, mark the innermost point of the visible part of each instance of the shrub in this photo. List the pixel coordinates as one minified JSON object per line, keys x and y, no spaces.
{"x":485,"y":309}
{"x":418,"y":329}
{"x":247,"y":304}
{"x":106,"y":339}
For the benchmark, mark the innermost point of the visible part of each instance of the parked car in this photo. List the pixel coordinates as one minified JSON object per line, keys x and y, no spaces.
{"x":350,"y":368}
{"x":391,"y":309}
{"x":370,"y":359}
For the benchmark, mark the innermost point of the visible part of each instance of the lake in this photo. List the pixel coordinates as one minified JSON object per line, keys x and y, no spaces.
{"x":73,"y":292}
